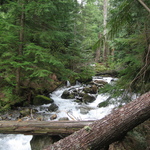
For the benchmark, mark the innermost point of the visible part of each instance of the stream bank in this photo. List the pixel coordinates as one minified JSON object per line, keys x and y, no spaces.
{"x":68,"y":104}
{"x":76,"y":107}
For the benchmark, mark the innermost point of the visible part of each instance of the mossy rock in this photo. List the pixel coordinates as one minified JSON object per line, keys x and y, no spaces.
{"x":103,"y":104}
{"x":39,"y":142}
{"x":5,"y":107}
{"x":26,"y":111}
{"x":53,"y":107}
{"x":41,"y":99}
{"x":88,"y":98}
{"x":67,"y":95}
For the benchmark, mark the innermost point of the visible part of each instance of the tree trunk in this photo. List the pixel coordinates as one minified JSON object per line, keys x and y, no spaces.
{"x":98,"y":51}
{"x":20,"y":48}
{"x":103,"y":132}
{"x":105,"y":47}
{"x":97,"y":57}
{"x":41,"y":127}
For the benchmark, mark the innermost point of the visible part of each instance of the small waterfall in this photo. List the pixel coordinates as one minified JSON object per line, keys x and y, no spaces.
{"x":78,"y":83}
{"x":68,"y":84}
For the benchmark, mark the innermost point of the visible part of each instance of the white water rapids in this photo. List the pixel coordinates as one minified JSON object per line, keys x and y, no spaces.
{"x":66,"y":106}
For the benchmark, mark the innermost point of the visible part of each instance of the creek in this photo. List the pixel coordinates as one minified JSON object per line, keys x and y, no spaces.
{"x":67,"y":108}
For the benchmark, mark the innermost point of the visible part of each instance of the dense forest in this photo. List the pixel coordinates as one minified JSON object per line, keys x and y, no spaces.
{"x":45,"y":43}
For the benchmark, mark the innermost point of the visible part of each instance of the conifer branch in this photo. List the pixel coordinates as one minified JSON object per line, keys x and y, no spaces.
{"x":143,"y":69}
{"x":144,"y":5}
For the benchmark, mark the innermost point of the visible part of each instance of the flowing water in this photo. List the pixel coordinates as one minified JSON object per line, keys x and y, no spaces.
{"x":15,"y":142}
{"x":67,"y":108}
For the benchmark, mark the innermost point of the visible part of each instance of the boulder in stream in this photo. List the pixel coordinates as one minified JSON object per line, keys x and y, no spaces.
{"x":103,"y":104}
{"x":53,"y":107}
{"x":10,"y":115}
{"x":25,"y":111}
{"x":83,"y":110}
{"x":92,"y":89}
{"x":54,"y":116}
{"x":41,"y":99}
{"x":87,"y":98}
{"x":39,"y":142}
{"x":68,"y":95}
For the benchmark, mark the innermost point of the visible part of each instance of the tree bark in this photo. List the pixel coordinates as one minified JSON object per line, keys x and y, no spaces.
{"x":42,"y":127}
{"x":98,"y":51}
{"x":105,"y":47}
{"x":103,"y":132}
{"x":20,"y":48}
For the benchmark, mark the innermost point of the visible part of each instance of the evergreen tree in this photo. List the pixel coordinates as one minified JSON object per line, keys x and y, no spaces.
{"x":130,"y":28}
{"x":37,"y":40}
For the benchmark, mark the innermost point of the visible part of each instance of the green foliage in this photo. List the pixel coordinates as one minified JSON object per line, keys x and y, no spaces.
{"x":86,"y":73}
{"x":103,"y":104}
{"x":46,"y":41}
{"x":118,"y":92}
{"x":132,"y":62}
{"x":120,"y":16}
{"x":128,"y":25}
{"x":100,"y":67}
{"x":7,"y":98}
{"x":138,"y":138}
{"x":56,"y":37}
{"x":87,"y":128}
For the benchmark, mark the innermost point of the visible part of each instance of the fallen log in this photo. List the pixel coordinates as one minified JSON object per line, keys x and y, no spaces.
{"x":42,"y":127}
{"x":112,"y":73}
{"x":109,"y":129}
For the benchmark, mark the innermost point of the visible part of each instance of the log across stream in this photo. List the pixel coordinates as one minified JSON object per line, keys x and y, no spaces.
{"x":9,"y":141}
{"x":42,"y":127}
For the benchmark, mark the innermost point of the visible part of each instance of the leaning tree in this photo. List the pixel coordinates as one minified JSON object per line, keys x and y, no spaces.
{"x":103,"y":132}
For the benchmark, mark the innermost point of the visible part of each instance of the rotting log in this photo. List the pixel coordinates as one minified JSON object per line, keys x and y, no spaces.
{"x":109,"y":129}
{"x":42,"y":127}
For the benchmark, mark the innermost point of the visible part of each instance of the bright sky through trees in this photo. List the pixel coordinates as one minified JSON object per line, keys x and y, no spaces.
{"x":79,"y":1}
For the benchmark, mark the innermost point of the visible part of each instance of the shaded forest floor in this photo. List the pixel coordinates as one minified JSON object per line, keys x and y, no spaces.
{"x":136,"y":139}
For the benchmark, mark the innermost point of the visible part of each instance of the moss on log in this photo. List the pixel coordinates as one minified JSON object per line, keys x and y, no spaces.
{"x":42,"y":127}
{"x":109,"y":129}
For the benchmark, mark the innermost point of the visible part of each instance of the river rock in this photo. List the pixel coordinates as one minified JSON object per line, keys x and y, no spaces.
{"x":11,"y":115}
{"x":68,"y":95}
{"x":83,"y":110}
{"x":42,"y":108}
{"x":40,"y":118}
{"x":65,"y":94}
{"x":4,"y":117}
{"x":54,"y":116}
{"x":15,"y":115}
{"x":39,"y":142}
{"x":78,"y":100}
{"x":81,"y":94}
{"x":53,"y":107}
{"x":103,"y":104}
{"x":25,"y":112}
{"x":100,"y":82}
{"x":41,"y":99}
{"x":87,"y":89}
{"x":94,"y":89}
{"x":88,"y":98}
